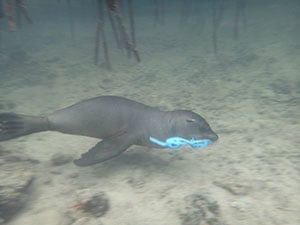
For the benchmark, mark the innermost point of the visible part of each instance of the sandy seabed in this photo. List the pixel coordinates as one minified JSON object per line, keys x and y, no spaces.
{"x":249,"y":92}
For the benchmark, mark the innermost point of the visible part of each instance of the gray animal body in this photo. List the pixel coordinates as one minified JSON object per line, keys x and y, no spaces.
{"x":118,"y":121}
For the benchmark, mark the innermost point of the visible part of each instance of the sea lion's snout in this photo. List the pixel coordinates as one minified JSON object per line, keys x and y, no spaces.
{"x":213,"y":136}
{"x":208,"y":133}
{"x":190,"y":125}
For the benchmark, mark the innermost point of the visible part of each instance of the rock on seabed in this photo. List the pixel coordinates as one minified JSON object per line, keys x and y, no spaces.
{"x":15,"y":181}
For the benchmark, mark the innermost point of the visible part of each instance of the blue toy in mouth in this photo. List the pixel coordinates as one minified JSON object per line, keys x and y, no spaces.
{"x":177,"y":142}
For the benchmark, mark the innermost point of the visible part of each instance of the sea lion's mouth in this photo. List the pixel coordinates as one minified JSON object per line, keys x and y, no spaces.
{"x":213,"y":137}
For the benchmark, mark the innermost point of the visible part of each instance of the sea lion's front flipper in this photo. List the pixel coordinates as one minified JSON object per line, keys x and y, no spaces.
{"x":104,"y":150}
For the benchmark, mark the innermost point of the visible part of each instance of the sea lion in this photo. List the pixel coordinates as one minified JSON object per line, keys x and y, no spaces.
{"x":118,"y":121}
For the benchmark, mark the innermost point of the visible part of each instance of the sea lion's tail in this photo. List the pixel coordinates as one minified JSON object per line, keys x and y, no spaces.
{"x":15,"y":125}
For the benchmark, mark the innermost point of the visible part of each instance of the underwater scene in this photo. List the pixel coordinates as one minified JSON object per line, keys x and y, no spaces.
{"x":150,"y":112}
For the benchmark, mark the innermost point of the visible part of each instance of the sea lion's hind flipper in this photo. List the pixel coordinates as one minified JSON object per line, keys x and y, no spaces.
{"x":15,"y":125}
{"x":104,"y":150}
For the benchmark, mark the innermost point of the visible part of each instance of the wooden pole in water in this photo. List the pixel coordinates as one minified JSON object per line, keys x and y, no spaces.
{"x":96,"y":59}
{"x":8,"y":8}
{"x":71,"y":18}
{"x":217,"y":8}
{"x":0,"y":38}
{"x":18,"y":13}
{"x":132,"y":22}
{"x":162,"y":11}
{"x":100,"y":33}
{"x":239,"y":12}
{"x":115,"y":31}
{"x":21,"y":10}
{"x":214,"y":14}
{"x":114,"y":6}
{"x":1,"y":17}
{"x":159,"y":11}
{"x":156,"y":11}
{"x":183,"y":12}
{"x":1,"y":11}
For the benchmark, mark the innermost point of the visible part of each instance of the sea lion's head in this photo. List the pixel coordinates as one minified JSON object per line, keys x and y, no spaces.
{"x":190,"y":125}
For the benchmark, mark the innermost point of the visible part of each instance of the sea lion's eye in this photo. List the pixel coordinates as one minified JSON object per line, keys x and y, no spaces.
{"x":190,"y":120}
